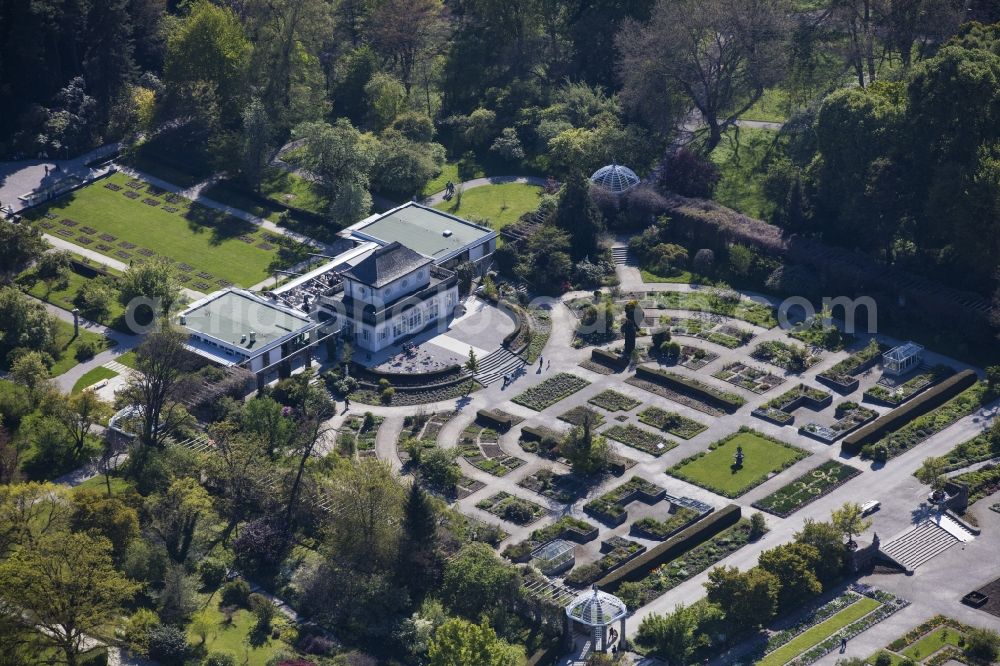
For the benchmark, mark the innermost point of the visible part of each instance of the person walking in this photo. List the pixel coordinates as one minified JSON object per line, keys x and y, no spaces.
{"x":540,"y":361}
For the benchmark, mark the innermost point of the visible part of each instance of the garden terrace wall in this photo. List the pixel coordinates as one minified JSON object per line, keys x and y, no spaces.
{"x":673,"y":547}
{"x":852,"y":385}
{"x":700,"y":223}
{"x":494,"y":418}
{"x":899,"y":417}
{"x":697,"y":390}
{"x":609,"y":358}
{"x":538,"y":433}
{"x":372,"y":376}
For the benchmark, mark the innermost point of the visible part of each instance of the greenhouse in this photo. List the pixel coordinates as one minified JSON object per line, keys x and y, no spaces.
{"x":554,"y":557}
{"x":900,"y":360}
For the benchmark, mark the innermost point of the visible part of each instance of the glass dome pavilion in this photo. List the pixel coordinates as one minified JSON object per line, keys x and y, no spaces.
{"x":615,"y":178}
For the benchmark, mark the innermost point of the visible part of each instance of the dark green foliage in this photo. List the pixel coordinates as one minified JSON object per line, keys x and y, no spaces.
{"x":168,"y":645}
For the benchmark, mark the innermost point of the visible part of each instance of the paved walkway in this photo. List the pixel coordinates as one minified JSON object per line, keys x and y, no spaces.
{"x":481,"y":182}
{"x":21,"y":177}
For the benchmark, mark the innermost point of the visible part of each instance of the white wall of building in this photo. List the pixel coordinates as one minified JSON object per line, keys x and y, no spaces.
{"x":400,"y":325}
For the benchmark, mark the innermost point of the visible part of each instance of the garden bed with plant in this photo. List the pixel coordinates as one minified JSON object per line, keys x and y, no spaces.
{"x":721,"y":302}
{"x":610,"y":507}
{"x":541,"y":328}
{"x":982,"y":482}
{"x":480,"y":447}
{"x":807,"y":488}
{"x":512,"y":508}
{"x":617,"y":551}
{"x":422,"y":428}
{"x":841,"y":377}
{"x":716,"y":469}
{"x":640,"y":439}
{"x":850,"y":417}
{"x":745,"y":376}
{"x":497,"y":419}
{"x":894,"y":396}
{"x":569,"y":528}
{"x":358,"y":433}
{"x":820,"y":332}
{"x":613,"y":401}
{"x":779,"y":410}
{"x":688,"y":564}
{"x":562,"y":488}
{"x":551,"y":391}
{"x":671,"y":422}
{"x":935,"y":641}
{"x":660,"y":530}
{"x":577,"y":415}
{"x":700,"y":392}
{"x":718,"y":332}
{"x":790,"y":357}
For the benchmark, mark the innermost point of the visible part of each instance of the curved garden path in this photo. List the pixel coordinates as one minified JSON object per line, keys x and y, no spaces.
{"x":438,"y":197}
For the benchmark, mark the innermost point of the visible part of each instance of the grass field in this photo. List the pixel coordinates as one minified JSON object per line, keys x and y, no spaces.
{"x":741,"y":160}
{"x":91,"y":377}
{"x":714,"y":470}
{"x":449,"y":171}
{"x":62,"y":296}
{"x":68,"y":345}
{"x":499,"y":205}
{"x":933,"y":642}
{"x":205,"y":239}
{"x":237,"y":637}
{"x":820,"y":632}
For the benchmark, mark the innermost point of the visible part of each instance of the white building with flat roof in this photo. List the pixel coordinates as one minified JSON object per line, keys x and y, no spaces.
{"x":238,"y":327}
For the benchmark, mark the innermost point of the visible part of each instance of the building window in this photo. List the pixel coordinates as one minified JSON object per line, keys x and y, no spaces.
{"x":415,"y":319}
{"x":364,"y":333}
{"x":433,"y":310}
{"x":383,"y":334}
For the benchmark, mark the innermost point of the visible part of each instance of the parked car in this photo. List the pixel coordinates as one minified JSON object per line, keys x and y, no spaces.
{"x":871,"y":506}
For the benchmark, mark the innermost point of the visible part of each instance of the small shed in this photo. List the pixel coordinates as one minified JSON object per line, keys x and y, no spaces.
{"x":554,"y":557}
{"x":900,"y":360}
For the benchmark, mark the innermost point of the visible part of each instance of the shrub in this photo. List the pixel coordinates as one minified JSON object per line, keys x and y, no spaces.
{"x":168,"y":645}
{"x":135,"y":633}
{"x":212,"y":572}
{"x":261,"y":545}
{"x":264,"y":609}
{"x":758,"y":525}
{"x":661,"y":336}
{"x":96,"y":657}
{"x":387,"y":395}
{"x":220,"y":659}
{"x":883,"y":659}
{"x":236,"y":593}
{"x":86,"y":350}
{"x":982,"y":645}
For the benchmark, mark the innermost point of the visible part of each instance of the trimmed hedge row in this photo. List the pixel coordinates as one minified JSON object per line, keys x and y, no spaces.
{"x":496,"y":419}
{"x":899,"y":417}
{"x":673,"y":547}
{"x":729,"y":402}
{"x":538,"y":433}
{"x":609,"y":358}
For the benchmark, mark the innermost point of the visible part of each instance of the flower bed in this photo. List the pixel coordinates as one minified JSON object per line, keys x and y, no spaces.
{"x":511,"y":508}
{"x":576,"y":415}
{"x":841,"y":377}
{"x":686,"y":565}
{"x":794,"y":358}
{"x":723,"y":334}
{"x":551,"y":391}
{"x":807,"y":488}
{"x":695,"y":358}
{"x":358,"y":433}
{"x":480,"y":447}
{"x":660,"y":530}
{"x":638,"y":438}
{"x":983,"y":482}
{"x":819,"y":333}
{"x":610,"y":507}
{"x":897,"y":395}
{"x":672,"y":422}
{"x":613,"y":401}
{"x":750,"y":378}
{"x":562,"y":488}
{"x":851,"y":416}
{"x":617,"y":551}
{"x":715,"y":469}
{"x":723,"y":302}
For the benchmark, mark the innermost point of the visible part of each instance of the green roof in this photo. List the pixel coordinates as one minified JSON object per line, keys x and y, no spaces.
{"x":232,"y":314}
{"x":430,"y":232}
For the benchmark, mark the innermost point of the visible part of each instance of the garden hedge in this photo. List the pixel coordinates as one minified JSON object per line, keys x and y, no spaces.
{"x":673,"y":547}
{"x":899,"y":417}
{"x":538,"y":433}
{"x":499,"y":421}
{"x":609,"y":358}
{"x":725,"y":401}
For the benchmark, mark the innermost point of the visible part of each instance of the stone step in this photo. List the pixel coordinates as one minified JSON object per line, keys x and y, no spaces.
{"x":497,"y":364}
{"x":116,"y":367}
{"x":919,"y":544}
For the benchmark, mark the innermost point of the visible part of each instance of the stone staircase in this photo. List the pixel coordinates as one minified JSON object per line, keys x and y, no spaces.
{"x":117,"y":367}
{"x":621,"y":256}
{"x":920,"y":544}
{"x":495,"y":365}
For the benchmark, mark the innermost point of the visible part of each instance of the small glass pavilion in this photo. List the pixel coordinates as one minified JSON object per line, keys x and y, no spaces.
{"x":900,"y":360}
{"x":596,"y":612}
{"x":554,"y":557}
{"x":615,"y":178}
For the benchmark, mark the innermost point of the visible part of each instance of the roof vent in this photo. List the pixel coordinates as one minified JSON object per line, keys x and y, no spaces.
{"x":184,"y":320}
{"x":447,"y":232}
{"x":253,"y":336}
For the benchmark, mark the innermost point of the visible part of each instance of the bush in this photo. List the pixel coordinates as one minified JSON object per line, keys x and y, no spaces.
{"x":168,"y":645}
{"x":899,"y":417}
{"x":982,"y":645}
{"x":236,"y":593}
{"x":264,"y":609}
{"x":883,"y":659}
{"x":661,"y":336}
{"x":220,"y":659}
{"x":135,"y":633}
{"x":212,"y":573}
{"x":96,"y":657}
{"x":758,"y":525}
{"x":667,"y":259}
{"x":689,"y":174}
{"x":261,"y":545}
{"x":86,"y":350}
{"x":387,"y":395}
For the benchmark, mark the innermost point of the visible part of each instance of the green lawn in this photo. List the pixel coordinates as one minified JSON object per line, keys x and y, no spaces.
{"x":933,"y":642}
{"x":684,"y":277}
{"x":68,"y":345}
{"x":449,"y":171}
{"x":741,"y":160}
{"x":292,"y":190}
{"x":774,"y":106}
{"x":127,"y":359}
{"x":896,"y":660}
{"x":236,"y":638}
{"x":62,"y":296}
{"x":91,"y":377}
{"x":714,"y":470}
{"x":203,"y":238}
{"x":499,"y":205}
{"x":118,"y":484}
{"x":820,"y":632}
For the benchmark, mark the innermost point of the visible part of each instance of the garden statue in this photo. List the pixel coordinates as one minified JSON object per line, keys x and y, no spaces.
{"x":738,"y":458}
